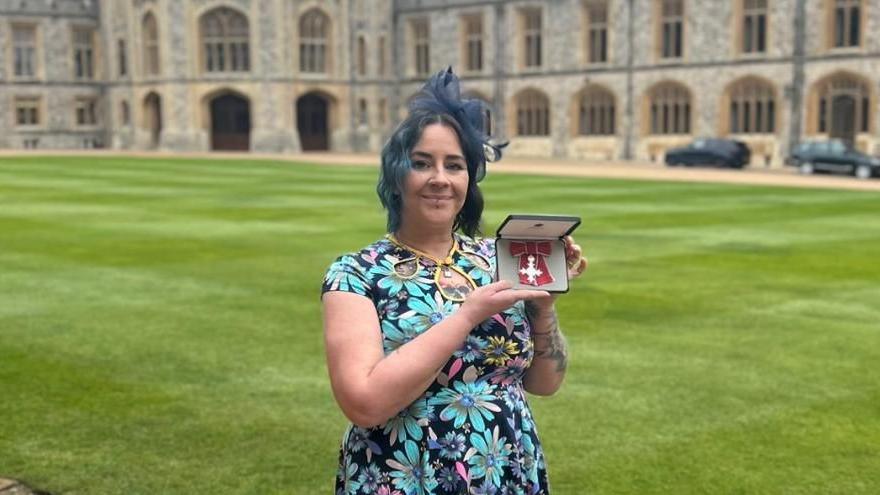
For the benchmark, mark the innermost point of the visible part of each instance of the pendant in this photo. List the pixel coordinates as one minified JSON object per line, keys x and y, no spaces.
{"x":533,"y":268}
{"x":452,"y":283}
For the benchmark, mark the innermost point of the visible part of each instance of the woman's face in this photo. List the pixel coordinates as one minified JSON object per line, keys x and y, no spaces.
{"x":435,"y":189}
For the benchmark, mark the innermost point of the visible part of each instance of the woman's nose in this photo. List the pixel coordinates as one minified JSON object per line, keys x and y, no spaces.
{"x":439,"y":176}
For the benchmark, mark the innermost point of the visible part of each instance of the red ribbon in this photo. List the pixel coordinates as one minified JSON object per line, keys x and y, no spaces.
{"x":532,"y":263}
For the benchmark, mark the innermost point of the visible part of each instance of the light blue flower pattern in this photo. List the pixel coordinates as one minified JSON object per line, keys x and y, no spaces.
{"x":369,"y":478}
{"x":394,"y":336}
{"x":451,"y":446}
{"x":406,"y":423}
{"x":346,"y":277}
{"x":413,"y":472}
{"x":492,"y":455}
{"x":480,"y":275}
{"x":474,"y":402}
{"x":472,"y":349}
{"x":425,"y":313}
{"x":394,"y":283}
{"x":473,"y":429}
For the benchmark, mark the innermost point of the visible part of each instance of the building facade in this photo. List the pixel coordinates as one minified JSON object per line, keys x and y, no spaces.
{"x":593,"y":79}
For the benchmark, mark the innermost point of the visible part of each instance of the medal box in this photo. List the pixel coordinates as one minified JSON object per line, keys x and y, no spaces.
{"x":530,"y":251}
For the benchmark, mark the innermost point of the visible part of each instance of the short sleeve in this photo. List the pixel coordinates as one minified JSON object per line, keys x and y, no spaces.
{"x":346,"y":274}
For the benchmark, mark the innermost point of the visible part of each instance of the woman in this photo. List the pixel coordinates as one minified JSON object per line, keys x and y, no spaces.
{"x":427,"y":357}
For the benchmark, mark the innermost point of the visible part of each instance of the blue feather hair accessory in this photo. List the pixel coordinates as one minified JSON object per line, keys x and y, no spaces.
{"x":442,"y":94}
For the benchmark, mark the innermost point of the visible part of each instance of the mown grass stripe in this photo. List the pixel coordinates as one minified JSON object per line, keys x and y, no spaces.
{"x":160,"y":329}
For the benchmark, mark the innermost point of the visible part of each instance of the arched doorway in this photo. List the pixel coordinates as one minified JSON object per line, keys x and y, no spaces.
{"x":843,"y":110}
{"x":230,"y":123}
{"x":312,"y":122}
{"x":153,"y":118}
{"x":841,"y":105}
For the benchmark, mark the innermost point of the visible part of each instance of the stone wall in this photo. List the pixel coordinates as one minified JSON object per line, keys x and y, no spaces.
{"x":54,"y":83}
{"x":710,"y":64}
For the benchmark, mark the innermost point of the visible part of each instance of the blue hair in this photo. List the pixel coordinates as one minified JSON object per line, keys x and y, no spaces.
{"x":439,"y":102}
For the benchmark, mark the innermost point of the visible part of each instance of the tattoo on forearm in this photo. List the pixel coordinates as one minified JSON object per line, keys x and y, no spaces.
{"x":549,"y":341}
{"x":532,"y":312}
{"x":552,"y":346}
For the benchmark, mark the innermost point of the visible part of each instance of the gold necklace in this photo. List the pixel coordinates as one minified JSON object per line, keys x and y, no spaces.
{"x":444,"y":264}
{"x":447,"y":286}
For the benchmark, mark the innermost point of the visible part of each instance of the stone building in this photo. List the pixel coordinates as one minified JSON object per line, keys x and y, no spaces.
{"x":592,"y":79}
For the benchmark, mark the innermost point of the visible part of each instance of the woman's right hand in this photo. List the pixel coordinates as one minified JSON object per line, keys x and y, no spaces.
{"x":491,"y":299}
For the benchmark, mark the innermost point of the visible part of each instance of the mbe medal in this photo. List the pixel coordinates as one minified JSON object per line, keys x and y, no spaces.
{"x":531,"y":252}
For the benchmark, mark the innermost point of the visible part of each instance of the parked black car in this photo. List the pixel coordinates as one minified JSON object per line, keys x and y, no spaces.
{"x":833,"y":156}
{"x":713,"y":152}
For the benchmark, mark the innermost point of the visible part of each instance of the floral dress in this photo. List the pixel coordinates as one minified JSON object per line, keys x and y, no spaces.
{"x":472,"y":431}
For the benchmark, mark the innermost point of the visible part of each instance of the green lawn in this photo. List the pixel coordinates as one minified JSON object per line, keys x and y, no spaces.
{"x":160,"y":329}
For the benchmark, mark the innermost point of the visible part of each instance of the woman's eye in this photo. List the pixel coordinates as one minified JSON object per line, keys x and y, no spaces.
{"x":420,"y":164}
{"x":455,"y":166}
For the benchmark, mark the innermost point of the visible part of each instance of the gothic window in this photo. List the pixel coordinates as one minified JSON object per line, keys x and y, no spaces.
{"x":150,"y":32}
{"x":671,"y":35}
{"x":670,"y":109}
{"x":532,"y":113}
{"x":381,"y":56}
{"x":83,"y":53}
{"x":86,"y":111}
{"x":531,"y":29}
{"x":752,"y":108}
{"x":24,"y":46}
{"x":597,"y":31}
{"x":754,"y":26}
{"x":596,"y":112}
{"x":846,"y":25}
{"x":124,"y":113}
{"x":383,"y":111}
{"x":122,"y":59}
{"x":361,"y":56}
{"x":473,"y":43}
{"x":363,"y":115}
{"x":225,"y":40}
{"x":421,"y":40}
{"x":27,"y":111}
{"x":314,"y":38}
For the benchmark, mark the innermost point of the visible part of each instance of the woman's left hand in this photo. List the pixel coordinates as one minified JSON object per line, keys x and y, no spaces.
{"x":576,"y":264}
{"x":574,"y":258}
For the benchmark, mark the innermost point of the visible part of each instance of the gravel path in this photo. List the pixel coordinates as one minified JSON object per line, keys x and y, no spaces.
{"x":786,"y":177}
